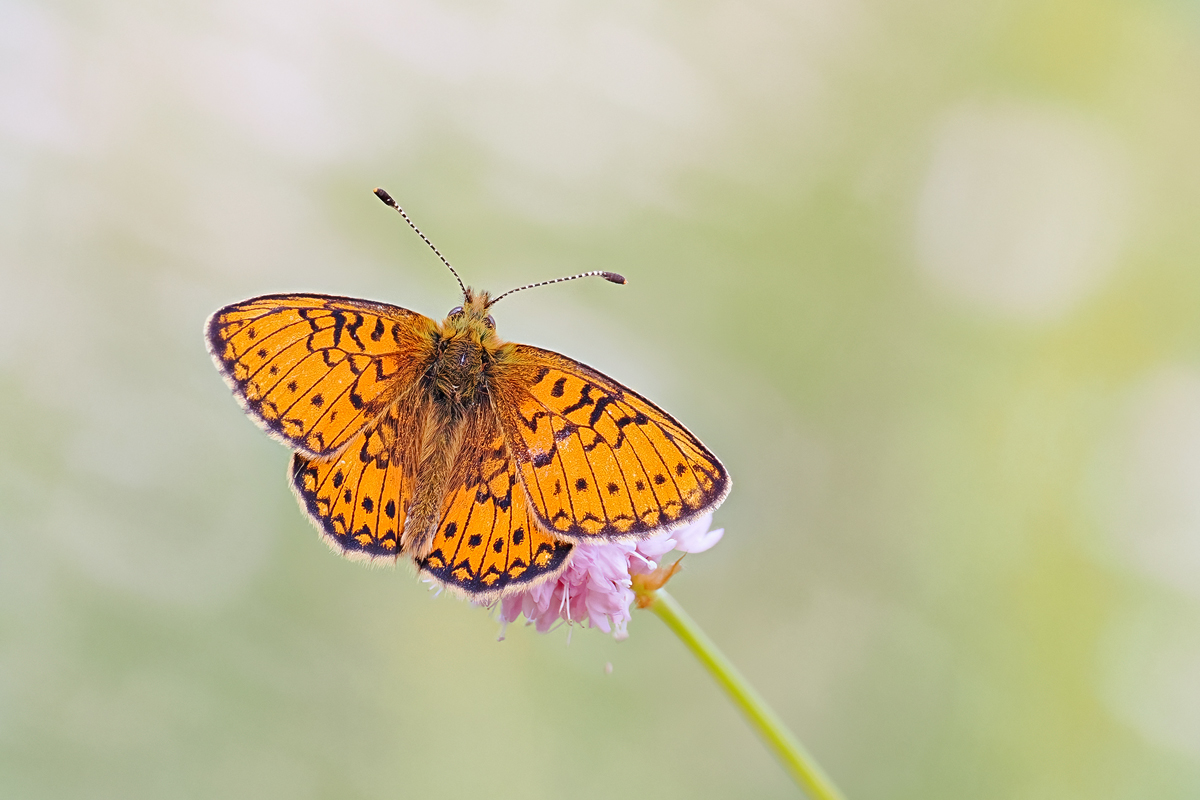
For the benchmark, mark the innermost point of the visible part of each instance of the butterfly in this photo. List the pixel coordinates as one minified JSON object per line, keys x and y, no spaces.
{"x":481,"y":461}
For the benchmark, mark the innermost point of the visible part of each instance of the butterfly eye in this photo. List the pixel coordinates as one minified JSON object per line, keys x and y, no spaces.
{"x":454,"y":312}
{"x":491,"y":323}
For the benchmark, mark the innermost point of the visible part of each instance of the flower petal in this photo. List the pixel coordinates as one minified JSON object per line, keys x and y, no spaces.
{"x":596,"y":586}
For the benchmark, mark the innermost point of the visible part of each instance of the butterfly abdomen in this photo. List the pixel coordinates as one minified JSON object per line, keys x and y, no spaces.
{"x":442,"y":431}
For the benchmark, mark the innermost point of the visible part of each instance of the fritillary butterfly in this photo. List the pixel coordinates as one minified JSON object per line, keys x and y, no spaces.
{"x":481,"y":461}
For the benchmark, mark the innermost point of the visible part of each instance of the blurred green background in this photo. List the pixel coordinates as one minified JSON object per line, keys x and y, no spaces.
{"x":926,"y":275}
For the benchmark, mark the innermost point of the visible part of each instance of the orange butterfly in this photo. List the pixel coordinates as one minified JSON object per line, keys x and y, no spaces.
{"x":480,"y":460}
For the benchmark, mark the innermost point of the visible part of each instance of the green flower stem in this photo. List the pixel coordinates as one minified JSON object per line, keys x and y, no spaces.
{"x":796,"y":760}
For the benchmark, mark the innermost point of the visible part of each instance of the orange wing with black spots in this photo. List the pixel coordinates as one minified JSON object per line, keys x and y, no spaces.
{"x":488,"y":541}
{"x":595,"y":458}
{"x":314,"y":370}
{"x":360,"y":499}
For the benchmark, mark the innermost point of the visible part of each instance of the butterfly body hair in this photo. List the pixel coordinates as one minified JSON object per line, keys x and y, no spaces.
{"x":466,"y":343}
{"x":457,"y":391}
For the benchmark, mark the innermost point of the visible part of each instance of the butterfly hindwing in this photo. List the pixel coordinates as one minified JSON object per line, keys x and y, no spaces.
{"x":597,"y":459}
{"x":313,"y":370}
{"x":359,"y":499}
{"x":488,"y":541}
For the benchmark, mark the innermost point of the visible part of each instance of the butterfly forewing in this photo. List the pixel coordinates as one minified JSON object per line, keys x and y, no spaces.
{"x":487,"y":539}
{"x":315,"y":369}
{"x":597,"y":459}
{"x":360,"y":499}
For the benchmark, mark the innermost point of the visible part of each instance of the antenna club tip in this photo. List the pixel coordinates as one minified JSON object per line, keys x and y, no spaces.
{"x":613,"y":277}
{"x":385,"y":197}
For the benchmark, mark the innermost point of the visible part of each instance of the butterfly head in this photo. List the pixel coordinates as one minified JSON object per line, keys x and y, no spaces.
{"x":471,"y":319}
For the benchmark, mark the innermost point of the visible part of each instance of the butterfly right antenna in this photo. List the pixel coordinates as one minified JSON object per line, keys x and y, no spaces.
{"x":611,"y":277}
{"x":387,"y":199}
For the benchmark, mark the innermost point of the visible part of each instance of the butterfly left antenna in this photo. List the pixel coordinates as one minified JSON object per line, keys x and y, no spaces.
{"x":387,"y":199}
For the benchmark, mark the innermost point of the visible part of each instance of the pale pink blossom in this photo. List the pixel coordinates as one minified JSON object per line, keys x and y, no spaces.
{"x":596,"y":587}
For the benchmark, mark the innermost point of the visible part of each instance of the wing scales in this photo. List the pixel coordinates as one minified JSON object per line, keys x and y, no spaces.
{"x":487,"y":540}
{"x":313,"y":370}
{"x":359,"y":500}
{"x":597,"y":459}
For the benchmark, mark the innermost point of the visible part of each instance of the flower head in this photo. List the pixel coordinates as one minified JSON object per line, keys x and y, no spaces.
{"x":597,"y":585}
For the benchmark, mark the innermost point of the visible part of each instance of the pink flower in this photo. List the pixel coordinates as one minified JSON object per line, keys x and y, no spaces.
{"x":596,"y":586}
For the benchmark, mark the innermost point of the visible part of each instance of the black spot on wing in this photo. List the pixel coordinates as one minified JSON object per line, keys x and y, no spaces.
{"x":544,"y":459}
{"x":532,"y":422}
{"x":549,"y":558}
{"x":598,"y":410}
{"x":585,"y":399}
{"x":352,"y":329}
